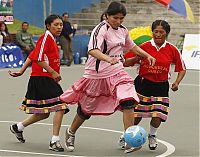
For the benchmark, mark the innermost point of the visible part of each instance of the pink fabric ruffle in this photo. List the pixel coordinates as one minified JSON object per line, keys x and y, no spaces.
{"x":101,"y":96}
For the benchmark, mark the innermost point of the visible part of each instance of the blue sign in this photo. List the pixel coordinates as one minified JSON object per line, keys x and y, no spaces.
{"x":11,"y":57}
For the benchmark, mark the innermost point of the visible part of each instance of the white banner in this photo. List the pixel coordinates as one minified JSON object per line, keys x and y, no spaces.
{"x":191,"y":51}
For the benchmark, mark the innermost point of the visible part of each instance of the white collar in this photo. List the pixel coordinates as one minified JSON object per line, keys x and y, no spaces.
{"x":154,"y":44}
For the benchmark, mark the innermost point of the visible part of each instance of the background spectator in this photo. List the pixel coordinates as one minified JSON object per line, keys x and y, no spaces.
{"x":103,"y":16}
{"x":5,"y":35}
{"x":25,"y":40}
{"x":1,"y":40}
{"x":66,"y":40}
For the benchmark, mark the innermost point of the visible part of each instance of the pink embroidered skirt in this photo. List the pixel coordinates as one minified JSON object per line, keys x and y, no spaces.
{"x":101,"y":96}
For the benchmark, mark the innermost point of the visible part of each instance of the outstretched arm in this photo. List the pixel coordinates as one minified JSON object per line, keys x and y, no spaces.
{"x":22,"y":70}
{"x":142,"y":53}
{"x":131,"y":61}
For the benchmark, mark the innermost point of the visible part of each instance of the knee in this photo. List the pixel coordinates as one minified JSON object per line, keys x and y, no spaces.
{"x":81,"y":114}
{"x":137,"y":120}
{"x":45,"y":115}
{"x":128,"y":104}
{"x":155,"y":122}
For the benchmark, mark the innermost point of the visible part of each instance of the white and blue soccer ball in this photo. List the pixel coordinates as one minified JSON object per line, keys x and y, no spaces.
{"x":135,"y":136}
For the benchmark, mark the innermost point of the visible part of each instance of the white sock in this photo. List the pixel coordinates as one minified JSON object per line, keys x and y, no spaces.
{"x":20,"y":126}
{"x":153,"y":131}
{"x":55,"y":138}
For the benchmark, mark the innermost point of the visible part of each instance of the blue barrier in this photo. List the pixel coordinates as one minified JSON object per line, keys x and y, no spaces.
{"x":76,"y":57}
{"x":11,"y":57}
{"x":33,"y":10}
{"x":80,"y":44}
{"x":35,"y":38}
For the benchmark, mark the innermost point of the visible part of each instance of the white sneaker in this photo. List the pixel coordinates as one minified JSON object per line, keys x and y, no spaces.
{"x":129,"y":149}
{"x":69,"y":140}
{"x":125,"y":147}
{"x":152,"y":142}
{"x":121,"y":142}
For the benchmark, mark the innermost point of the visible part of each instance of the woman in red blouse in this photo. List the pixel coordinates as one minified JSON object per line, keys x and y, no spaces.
{"x":152,"y":83}
{"x":42,"y":96}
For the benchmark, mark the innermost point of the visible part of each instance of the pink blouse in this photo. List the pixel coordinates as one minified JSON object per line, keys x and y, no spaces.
{"x":111,"y":42}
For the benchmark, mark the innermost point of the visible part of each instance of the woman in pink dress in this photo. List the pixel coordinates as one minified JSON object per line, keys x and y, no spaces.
{"x":105,"y":86}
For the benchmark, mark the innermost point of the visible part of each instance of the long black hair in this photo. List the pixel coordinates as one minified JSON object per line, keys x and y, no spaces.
{"x":115,"y":8}
{"x":51,"y":18}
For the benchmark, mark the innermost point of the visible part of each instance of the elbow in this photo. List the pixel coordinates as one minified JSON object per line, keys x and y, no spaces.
{"x":89,"y":52}
{"x":184,"y":72}
{"x":125,"y":64}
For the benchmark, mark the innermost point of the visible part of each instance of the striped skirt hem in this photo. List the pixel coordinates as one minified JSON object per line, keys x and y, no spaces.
{"x":152,"y":107}
{"x":43,"y":106}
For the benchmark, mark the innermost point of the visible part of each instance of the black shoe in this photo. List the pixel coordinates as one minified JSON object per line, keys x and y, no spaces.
{"x":129,"y":149}
{"x":68,"y":64}
{"x":62,"y":62}
{"x":18,"y":134}
{"x":56,"y":146}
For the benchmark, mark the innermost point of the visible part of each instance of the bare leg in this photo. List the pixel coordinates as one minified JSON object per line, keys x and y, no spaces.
{"x":77,"y":122}
{"x":128,"y":118}
{"x":35,"y":118}
{"x":57,"y":120}
{"x":17,"y":128}
{"x":137,"y":120}
{"x":155,"y":122}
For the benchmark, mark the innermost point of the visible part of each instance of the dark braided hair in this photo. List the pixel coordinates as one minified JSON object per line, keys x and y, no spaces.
{"x":162,"y":23}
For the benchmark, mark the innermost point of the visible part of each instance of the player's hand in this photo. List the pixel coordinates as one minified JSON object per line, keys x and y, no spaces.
{"x":151,"y":60}
{"x":14,"y":74}
{"x":56,"y":76}
{"x":174,"y":86}
{"x":113,"y":61}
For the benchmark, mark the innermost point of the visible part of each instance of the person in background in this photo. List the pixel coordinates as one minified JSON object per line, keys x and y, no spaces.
{"x":152,"y":85}
{"x":4,"y":3}
{"x":103,"y":16}
{"x":10,"y":3}
{"x":25,"y":40}
{"x":105,"y":86}
{"x":43,"y":91}
{"x":65,"y":40}
{"x":1,"y":40}
{"x":5,"y":35}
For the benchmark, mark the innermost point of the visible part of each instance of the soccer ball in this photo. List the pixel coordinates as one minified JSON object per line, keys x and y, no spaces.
{"x":135,"y":136}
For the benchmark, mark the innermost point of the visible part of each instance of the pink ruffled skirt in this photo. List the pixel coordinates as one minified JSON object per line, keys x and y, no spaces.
{"x":101,"y":96}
